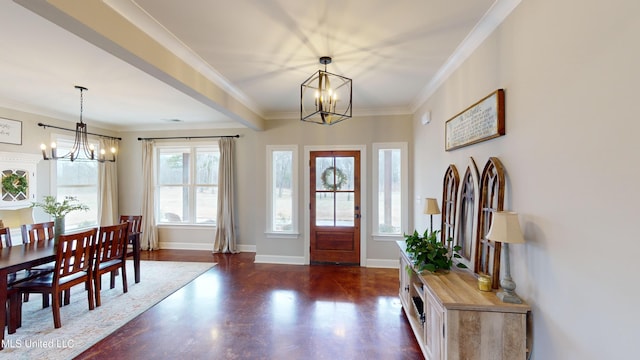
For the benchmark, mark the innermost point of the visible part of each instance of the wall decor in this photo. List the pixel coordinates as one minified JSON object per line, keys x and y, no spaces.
{"x":10,"y":131}
{"x":481,"y":121}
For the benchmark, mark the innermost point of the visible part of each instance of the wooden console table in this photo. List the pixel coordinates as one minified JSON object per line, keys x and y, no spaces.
{"x":451,"y":319}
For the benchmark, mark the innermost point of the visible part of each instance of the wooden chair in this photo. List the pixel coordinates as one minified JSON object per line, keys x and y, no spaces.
{"x":73,"y":266}
{"x":37,"y":232}
{"x":5,"y":237}
{"x":134,"y":240}
{"x":32,"y":233}
{"x":111,"y":255}
{"x":12,"y":278}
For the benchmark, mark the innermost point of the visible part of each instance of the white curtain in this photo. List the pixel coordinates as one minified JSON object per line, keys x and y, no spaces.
{"x":149,"y":238}
{"x":108,"y":186}
{"x":225,"y":240}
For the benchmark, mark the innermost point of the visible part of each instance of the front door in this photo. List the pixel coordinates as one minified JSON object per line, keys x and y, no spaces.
{"x":335,"y":207}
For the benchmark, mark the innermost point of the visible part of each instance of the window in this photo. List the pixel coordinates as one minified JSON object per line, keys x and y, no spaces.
{"x":390,"y":190}
{"x":282,"y":189}
{"x":187,"y":184}
{"x":78,"y":179}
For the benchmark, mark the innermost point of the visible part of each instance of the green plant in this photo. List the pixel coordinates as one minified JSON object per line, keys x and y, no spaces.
{"x":56,"y":209}
{"x":15,"y":183}
{"x":431,"y":254}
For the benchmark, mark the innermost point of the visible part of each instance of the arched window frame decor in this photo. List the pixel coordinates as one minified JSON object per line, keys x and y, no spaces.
{"x":450,"y":186}
{"x":466,"y":214}
{"x":492,"y":187}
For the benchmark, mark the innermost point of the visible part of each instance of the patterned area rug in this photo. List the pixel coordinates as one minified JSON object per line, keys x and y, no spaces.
{"x":81,"y":328}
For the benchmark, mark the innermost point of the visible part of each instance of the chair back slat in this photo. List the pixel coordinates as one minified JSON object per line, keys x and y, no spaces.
{"x":5,"y":237}
{"x":74,"y":253}
{"x":111,"y":243}
{"x":37,"y":232}
{"x":135,"y":220}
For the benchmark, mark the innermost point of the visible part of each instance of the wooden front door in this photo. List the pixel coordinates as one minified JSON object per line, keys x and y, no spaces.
{"x":335,"y":207}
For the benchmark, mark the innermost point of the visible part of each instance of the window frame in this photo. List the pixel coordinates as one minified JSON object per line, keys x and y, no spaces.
{"x":192,"y":185}
{"x":404,"y":191}
{"x":270,"y":231}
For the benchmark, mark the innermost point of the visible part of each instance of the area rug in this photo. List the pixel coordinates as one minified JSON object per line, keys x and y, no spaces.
{"x":81,"y":328}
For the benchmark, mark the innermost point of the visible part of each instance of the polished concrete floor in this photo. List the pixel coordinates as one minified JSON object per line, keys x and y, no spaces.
{"x":243,"y":310}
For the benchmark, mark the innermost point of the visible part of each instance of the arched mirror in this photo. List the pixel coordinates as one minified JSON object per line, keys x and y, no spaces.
{"x":449,"y":202}
{"x":492,"y":186}
{"x":466,"y":214}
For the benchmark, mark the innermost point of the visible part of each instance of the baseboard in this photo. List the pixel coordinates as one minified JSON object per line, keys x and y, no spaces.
{"x":271,"y":259}
{"x":277,"y":259}
{"x":194,"y":246}
{"x":383,"y":263}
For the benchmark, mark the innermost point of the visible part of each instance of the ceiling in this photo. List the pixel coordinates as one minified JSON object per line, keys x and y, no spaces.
{"x":152,"y":65}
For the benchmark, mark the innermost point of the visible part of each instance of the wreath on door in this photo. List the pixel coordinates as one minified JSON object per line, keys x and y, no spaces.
{"x":327,"y":177}
{"x":15,"y":184}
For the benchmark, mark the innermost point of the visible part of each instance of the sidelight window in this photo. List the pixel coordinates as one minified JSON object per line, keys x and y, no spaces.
{"x":390,"y":192}
{"x":282,"y":185}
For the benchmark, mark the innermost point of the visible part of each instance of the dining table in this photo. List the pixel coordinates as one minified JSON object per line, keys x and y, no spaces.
{"x":16,"y":258}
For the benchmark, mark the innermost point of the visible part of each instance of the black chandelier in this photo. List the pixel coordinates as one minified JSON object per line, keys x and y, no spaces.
{"x":325,"y":98}
{"x":81,"y":149}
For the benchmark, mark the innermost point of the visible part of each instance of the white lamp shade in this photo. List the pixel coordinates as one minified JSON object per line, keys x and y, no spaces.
{"x":431,"y":206}
{"x":505,"y":227}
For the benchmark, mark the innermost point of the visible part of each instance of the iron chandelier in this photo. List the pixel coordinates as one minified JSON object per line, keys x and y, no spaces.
{"x":325,"y":98}
{"x":81,"y":149}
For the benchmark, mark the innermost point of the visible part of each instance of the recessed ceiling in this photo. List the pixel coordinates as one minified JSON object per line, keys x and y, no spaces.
{"x":248,"y":57}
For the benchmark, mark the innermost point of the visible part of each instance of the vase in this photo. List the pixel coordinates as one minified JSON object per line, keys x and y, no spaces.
{"x":58,"y":229}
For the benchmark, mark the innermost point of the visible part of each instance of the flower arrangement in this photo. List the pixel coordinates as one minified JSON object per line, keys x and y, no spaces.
{"x":57,"y":209}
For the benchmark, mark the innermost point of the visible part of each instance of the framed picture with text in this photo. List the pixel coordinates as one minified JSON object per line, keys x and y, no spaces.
{"x":481,"y":121}
{"x":10,"y":131}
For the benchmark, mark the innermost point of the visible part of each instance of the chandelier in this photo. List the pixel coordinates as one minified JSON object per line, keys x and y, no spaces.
{"x":81,"y":149}
{"x":325,"y":98}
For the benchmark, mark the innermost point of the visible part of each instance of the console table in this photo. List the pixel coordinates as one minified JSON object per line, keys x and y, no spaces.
{"x":451,"y":319}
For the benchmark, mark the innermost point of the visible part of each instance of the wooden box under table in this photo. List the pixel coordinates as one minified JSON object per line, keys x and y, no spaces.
{"x":452,"y":319}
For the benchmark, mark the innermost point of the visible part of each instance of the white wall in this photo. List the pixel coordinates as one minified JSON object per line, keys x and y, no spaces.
{"x":570,"y":74}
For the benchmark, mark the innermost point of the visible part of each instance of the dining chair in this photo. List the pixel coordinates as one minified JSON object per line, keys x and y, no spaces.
{"x":73,"y":266}
{"x":110,"y":256}
{"x":134,"y":241}
{"x":5,"y":237}
{"x":12,"y":278}
{"x":32,"y":233}
{"x":37,"y":232}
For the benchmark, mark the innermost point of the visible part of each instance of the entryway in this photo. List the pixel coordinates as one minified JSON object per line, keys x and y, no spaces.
{"x":334,"y":207}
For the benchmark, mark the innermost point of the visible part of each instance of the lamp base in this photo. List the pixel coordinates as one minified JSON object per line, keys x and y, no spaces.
{"x":509,"y":297}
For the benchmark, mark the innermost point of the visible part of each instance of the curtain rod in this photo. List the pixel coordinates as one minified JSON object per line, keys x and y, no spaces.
{"x":61,"y":128}
{"x":191,"y":137}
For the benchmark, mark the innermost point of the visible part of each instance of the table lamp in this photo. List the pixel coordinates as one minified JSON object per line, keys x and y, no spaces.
{"x":505,"y":228}
{"x":431,"y":208}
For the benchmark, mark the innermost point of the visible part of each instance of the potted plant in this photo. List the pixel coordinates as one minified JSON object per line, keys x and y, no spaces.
{"x":58,"y":210}
{"x":431,"y":254}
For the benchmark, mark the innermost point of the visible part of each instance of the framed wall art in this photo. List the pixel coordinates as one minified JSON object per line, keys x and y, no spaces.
{"x":481,"y":121}
{"x":10,"y":131}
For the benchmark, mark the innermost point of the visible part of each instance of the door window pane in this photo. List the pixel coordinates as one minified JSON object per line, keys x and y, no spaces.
{"x":345,"y":209}
{"x":325,"y":176}
{"x":344,"y":173}
{"x":325,"y":214}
